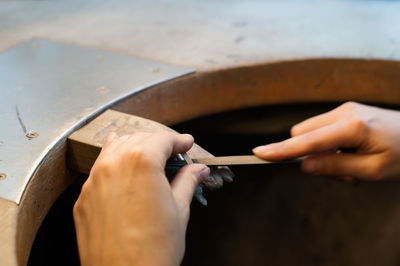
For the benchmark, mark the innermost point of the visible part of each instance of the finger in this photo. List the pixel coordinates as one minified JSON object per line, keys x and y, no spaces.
{"x":135,"y":139}
{"x":344,"y":134}
{"x":350,"y":166}
{"x":316,"y":122}
{"x":185,"y":183}
{"x":109,"y":140}
{"x":167,"y":144}
{"x":126,"y":142}
{"x":198,"y":194}
{"x":226,"y":173}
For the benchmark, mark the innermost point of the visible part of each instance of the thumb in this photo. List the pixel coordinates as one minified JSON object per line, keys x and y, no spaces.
{"x":185,"y":183}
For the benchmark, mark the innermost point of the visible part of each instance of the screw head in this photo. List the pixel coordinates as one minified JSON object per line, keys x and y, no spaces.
{"x":31,"y":134}
{"x":2,"y":176}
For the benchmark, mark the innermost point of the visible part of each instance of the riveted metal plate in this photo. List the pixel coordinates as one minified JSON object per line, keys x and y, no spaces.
{"x":49,"y":89}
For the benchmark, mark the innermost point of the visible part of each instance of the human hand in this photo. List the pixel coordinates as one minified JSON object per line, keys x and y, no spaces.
{"x":373,"y":132}
{"x":127,"y":212}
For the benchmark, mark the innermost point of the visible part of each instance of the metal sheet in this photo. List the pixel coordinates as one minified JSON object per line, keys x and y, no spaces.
{"x":215,"y":34}
{"x":51,"y":89}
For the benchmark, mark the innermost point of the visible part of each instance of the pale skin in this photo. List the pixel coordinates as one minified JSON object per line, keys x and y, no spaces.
{"x":129,"y":214}
{"x":373,"y":133}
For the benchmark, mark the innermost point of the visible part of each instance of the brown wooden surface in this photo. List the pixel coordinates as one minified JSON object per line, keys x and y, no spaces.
{"x":241,"y":35}
{"x":317,"y":80}
{"x":19,"y":223}
{"x":8,"y":230}
{"x":302,"y":81}
{"x":84,"y":145}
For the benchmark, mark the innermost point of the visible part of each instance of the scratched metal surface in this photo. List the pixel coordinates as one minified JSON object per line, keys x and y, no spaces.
{"x":211,"y":34}
{"x":50,"y":89}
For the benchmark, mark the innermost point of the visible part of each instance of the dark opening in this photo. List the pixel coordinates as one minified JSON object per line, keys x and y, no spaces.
{"x":269,"y":215}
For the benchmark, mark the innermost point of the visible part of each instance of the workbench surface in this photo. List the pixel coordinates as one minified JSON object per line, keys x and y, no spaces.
{"x":59,"y":87}
{"x":211,"y":34}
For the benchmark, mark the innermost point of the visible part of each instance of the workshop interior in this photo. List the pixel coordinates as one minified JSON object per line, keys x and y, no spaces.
{"x":235,"y":75}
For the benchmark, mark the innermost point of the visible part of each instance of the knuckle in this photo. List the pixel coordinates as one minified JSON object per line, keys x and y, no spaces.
{"x":358,"y":125}
{"x":75,"y":210}
{"x":85,"y":189}
{"x":350,"y":106}
{"x":140,"y":156}
{"x":294,"y":131}
{"x":104,"y":167}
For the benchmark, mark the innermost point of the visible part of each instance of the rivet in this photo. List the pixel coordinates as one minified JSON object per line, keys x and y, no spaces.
{"x":3,"y":176}
{"x":31,"y":134}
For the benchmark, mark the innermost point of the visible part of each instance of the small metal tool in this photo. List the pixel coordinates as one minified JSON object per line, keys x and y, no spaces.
{"x":228,"y":160}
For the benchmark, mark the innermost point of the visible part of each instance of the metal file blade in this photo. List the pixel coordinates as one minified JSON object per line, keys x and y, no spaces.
{"x":238,"y":160}
{"x":229,"y":160}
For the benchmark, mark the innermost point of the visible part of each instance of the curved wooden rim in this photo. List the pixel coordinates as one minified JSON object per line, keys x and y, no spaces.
{"x":316,"y":80}
{"x":304,"y":81}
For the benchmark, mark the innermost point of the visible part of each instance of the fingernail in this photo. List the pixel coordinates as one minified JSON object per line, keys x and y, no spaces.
{"x":264,"y":150}
{"x":203,"y":174}
{"x":198,"y":194}
{"x":312,"y":166}
{"x":227,"y":178}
